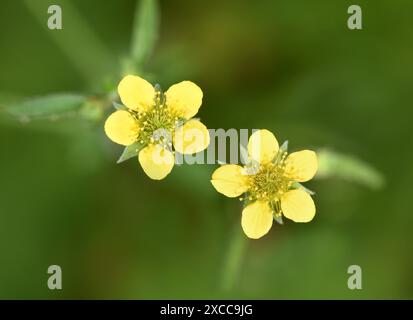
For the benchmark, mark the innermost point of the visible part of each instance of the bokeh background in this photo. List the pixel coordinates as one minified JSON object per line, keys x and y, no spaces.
{"x":292,"y":67}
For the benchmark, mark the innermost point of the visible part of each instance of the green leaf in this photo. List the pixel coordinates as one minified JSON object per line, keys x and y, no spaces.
{"x":130,"y":151}
{"x":145,"y":32}
{"x":333,"y":164}
{"x":56,"y":105}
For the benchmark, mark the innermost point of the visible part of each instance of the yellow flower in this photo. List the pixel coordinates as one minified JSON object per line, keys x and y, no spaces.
{"x":270,"y":181}
{"x":156,"y":124}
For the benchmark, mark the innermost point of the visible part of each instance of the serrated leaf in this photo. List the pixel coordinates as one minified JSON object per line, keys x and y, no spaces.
{"x":55,"y":105}
{"x":130,"y":151}
{"x":332,"y":164}
{"x":145,"y":32}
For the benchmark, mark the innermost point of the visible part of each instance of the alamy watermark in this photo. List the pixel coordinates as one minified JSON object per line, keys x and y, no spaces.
{"x":354,"y":22}
{"x":225,"y":147}
{"x":54,"y":282}
{"x":355,"y":280}
{"x":54,"y":21}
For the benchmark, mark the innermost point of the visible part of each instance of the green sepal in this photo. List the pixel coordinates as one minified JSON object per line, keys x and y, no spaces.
{"x":131,"y":151}
{"x":278,"y":218}
{"x":118,"y":106}
{"x":243,"y":154}
{"x":247,"y":200}
{"x":297,"y":185}
{"x":283,"y":149}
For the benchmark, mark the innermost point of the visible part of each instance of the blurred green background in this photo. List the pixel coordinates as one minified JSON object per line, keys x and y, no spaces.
{"x":292,"y":67}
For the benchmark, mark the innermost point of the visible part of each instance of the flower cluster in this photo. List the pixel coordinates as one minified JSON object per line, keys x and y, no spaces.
{"x":154,"y":125}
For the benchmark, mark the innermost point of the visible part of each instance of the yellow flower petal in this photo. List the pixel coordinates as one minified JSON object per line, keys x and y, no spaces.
{"x":136,"y":93}
{"x":230,"y":181}
{"x":302,"y":165}
{"x":121,"y":128}
{"x":262,"y":146}
{"x":191,"y":138}
{"x":298,"y":206}
{"x":257,"y":219}
{"x":156,"y":161}
{"x":185,"y":98}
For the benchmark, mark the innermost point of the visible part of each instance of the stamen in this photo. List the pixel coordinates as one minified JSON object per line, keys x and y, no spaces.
{"x":159,"y":116}
{"x":271,"y":180}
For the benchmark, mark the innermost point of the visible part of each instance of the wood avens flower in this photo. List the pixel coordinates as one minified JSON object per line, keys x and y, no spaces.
{"x":153,"y":124}
{"x":271,"y":184}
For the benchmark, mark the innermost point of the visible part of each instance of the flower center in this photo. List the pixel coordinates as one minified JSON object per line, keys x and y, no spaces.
{"x":271,"y":180}
{"x":157,"y":123}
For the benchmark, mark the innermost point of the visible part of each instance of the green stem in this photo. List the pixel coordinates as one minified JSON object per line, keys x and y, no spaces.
{"x":234,"y":260}
{"x":145,"y":32}
{"x":77,"y":40}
